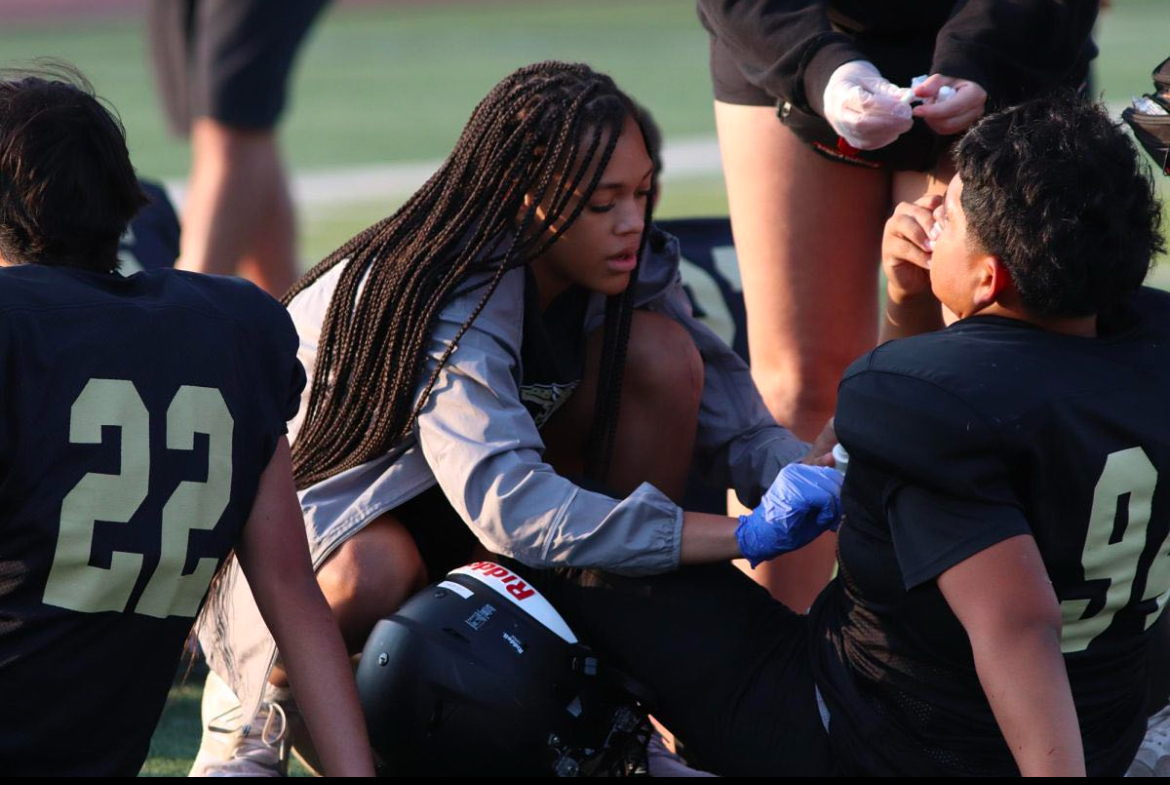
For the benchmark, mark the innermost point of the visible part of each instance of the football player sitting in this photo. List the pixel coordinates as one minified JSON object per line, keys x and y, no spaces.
{"x":1004,"y":553}
{"x":141,"y":441}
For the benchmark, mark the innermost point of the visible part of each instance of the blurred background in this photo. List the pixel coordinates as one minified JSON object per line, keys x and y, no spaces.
{"x":383,"y":87}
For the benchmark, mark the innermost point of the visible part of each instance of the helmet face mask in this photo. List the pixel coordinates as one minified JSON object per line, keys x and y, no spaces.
{"x":478,"y":675}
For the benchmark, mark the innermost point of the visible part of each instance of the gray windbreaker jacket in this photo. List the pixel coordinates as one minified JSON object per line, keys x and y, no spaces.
{"x":476,"y":440}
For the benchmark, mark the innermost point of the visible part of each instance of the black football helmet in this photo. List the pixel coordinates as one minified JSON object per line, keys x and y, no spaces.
{"x":479,"y":675}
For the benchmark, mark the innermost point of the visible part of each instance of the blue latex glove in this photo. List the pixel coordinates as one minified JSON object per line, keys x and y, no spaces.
{"x":803,"y":502}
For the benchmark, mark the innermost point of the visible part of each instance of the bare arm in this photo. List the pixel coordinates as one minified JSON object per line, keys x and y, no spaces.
{"x":1005,"y":602}
{"x":708,"y":538}
{"x":905,"y":318}
{"x":274,"y":555}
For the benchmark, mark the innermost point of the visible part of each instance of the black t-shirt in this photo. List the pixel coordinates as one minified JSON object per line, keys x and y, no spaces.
{"x":136,"y":417}
{"x":961,"y":439}
{"x":552,"y":351}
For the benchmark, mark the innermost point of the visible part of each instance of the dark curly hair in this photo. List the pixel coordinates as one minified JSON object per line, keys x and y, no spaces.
{"x":67,"y":187}
{"x":1058,"y":192}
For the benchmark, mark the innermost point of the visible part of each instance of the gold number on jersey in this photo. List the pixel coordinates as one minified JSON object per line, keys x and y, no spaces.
{"x":75,"y":584}
{"x":1127,"y":472}
{"x":193,"y":505}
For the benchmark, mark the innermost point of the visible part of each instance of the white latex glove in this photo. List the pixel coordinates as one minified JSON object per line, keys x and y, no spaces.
{"x":864,"y":108}
{"x":949,"y":105}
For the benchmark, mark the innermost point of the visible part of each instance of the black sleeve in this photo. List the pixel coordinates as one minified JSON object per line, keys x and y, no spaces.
{"x":283,"y":378}
{"x":1015,"y":49}
{"x":948,"y":492}
{"x":932,"y":532}
{"x":296,"y":386}
{"x":294,"y":372}
{"x":921,"y":433}
{"x":785,"y":47}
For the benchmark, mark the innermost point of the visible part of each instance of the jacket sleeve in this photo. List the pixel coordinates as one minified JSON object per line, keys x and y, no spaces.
{"x":486,"y":453}
{"x":785,"y":47}
{"x":1015,"y":49}
{"x":739,"y":444}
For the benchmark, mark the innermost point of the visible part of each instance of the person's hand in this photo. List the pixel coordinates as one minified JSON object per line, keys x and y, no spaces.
{"x":821,"y":452}
{"x":803,"y":503}
{"x":864,"y":108}
{"x":954,"y":113}
{"x":907,"y":243}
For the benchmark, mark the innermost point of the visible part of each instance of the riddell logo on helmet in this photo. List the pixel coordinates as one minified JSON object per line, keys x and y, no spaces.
{"x":512,"y":583}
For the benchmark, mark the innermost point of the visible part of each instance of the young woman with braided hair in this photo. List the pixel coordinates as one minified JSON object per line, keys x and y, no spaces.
{"x":515,"y":324}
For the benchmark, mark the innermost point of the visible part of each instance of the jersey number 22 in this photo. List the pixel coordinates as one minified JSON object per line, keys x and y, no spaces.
{"x":77,"y":585}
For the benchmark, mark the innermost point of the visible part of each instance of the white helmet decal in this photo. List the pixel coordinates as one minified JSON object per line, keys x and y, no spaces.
{"x":511,"y":586}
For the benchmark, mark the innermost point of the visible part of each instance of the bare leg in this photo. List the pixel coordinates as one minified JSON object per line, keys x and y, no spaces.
{"x":270,"y":261}
{"x":807,"y":233}
{"x":238,"y":207}
{"x":659,"y":412}
{"x":366,"y":579}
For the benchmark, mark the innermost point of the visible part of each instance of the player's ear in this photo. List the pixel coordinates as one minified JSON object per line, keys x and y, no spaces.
{"x":994,"y":280}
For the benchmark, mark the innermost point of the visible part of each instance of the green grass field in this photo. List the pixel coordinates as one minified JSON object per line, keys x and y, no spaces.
{"x":395,"y":83}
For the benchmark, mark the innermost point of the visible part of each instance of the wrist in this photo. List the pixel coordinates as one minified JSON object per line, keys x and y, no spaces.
{"x":747,"y":537}
{"x":836,"y":50}
{"x":900,"y":298}
{"x":910,"y":314}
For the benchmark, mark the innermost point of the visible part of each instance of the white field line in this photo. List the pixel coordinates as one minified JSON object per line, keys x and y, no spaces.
{"x":692,"y":157}
{"x":686,"y":158}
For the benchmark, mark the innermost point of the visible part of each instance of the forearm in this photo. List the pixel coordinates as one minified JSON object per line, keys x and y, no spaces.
{"x":1024,"y":677}
{"x":708,"y":538}
{"x":907,"y":316}
{"x":274,"y":554}
{"x":319,"y":670}
{"x":801,"y":504}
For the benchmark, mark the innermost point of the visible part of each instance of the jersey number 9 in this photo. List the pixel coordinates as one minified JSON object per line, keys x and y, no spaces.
{"x":1123,"y":498}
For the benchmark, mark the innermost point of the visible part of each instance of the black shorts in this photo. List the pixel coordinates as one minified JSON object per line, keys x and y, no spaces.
{"x":227,"y":59}
{"x":919,"y":149}
{"x":726,"y":666}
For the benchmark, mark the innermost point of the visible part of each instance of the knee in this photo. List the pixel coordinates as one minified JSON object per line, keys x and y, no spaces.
{"x":372,"y":573}
{"x":663,"y":365}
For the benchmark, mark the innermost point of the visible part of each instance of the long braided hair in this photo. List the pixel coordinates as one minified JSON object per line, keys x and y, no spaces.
{"x":546,"y":132}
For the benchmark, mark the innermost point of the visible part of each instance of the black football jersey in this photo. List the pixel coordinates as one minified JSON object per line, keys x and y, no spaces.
{"x":136,"y":417}
{"x":151,"y":240}
{"x":963,"y":438}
